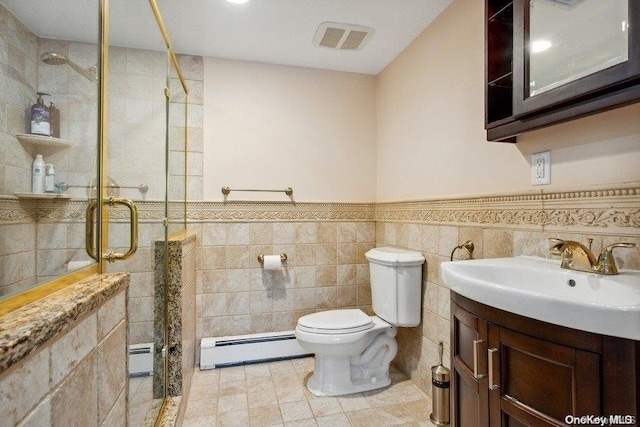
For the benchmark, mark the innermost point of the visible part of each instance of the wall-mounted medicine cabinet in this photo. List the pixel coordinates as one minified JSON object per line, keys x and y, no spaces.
{"x":549,"y":61}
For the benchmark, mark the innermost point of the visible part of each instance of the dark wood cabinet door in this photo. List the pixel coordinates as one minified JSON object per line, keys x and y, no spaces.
{"x":539,"y":383}
{"x":532,"y":373}
{"x":469,"y":393}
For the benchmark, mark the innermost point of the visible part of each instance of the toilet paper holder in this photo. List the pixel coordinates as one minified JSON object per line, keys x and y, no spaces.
{"x":283,"y":258}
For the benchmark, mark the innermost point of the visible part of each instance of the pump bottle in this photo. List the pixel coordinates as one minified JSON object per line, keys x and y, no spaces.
{"x":40,"y":121}
{"x":50,"y":179}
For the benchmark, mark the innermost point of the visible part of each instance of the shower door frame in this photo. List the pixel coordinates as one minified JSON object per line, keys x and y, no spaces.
{"x":103,"y":158}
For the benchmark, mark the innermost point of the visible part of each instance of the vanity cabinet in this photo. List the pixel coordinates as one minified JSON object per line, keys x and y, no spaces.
{"x":550,"y":61}
{"x":509,"y":370}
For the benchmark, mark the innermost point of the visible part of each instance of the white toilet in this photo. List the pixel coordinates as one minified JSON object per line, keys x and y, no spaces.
{"x":353,"y":350}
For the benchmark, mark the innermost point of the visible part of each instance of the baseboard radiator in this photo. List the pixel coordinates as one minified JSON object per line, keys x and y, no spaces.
{"x":237,"y":350}
{"x":140,"y":360}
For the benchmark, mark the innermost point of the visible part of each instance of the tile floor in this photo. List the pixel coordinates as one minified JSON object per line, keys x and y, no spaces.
{"x":273,"y":394}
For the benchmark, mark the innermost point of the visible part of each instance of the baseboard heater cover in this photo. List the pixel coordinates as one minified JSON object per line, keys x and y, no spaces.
{"x":140,"y":360}
{"x":237,"y":350}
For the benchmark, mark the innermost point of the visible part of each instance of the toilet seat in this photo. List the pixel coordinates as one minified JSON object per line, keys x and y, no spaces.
{"x":333,"y":322}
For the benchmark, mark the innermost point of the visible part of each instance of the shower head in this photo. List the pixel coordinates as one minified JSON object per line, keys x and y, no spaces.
{"x":54,"y":58}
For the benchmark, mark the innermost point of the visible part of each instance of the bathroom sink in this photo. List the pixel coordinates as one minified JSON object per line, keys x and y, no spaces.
{"x":538,"y":288}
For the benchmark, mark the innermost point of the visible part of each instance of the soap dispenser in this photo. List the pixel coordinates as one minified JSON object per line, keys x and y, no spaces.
{"x":40,"y":121}
{"x":50,"y":179}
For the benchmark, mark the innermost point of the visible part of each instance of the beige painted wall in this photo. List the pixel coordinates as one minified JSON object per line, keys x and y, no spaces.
{"x":273,"y":126}
{"x":431,"y":141}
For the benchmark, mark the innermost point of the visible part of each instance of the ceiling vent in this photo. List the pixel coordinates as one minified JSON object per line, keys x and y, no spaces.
{"x":342,"y":36}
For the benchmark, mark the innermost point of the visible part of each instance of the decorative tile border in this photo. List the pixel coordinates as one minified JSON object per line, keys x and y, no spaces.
{"x":279,"y":211}
{"x":604,"y":210}
{"x":607,"y":210}
{"x":12,"y":211}
{"x":588,"y":217}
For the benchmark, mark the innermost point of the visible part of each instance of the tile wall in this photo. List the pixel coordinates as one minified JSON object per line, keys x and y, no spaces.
{"x":501,"y":226}
{"x":326,"y":245}
{"x":19,"y":77}
{"x":325,"y":269}
{"x":18,"y":80}
{"x":135,"y":117}
{"x":77,"y":378}
{"x":37,"y":249}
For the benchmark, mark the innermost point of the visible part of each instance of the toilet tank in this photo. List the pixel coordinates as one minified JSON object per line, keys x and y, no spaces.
{"x":396,"y":285}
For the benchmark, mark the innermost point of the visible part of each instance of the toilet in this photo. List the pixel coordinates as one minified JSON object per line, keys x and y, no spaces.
{"x":353,"y":350}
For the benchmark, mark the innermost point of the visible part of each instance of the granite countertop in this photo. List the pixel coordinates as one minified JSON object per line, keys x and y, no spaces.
{"x":23,"y":330}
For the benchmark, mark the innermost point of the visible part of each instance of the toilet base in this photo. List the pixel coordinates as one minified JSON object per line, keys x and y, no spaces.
{"x":369,"y":370}
{"x":333,"y":382}
{"x":356,"y":387}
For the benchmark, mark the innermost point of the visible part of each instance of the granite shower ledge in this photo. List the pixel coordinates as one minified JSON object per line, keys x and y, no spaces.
{"x":25,"y":329}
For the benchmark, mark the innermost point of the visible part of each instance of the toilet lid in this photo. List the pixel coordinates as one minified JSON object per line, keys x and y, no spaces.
{"x":336,"y":322}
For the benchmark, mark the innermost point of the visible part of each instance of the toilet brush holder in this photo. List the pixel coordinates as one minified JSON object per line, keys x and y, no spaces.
{"x":440,"y":392}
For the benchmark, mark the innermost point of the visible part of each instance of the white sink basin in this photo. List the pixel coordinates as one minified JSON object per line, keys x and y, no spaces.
{"x":540,"y":289}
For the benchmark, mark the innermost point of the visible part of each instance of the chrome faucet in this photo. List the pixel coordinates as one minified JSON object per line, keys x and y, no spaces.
{"x":576,"y":256}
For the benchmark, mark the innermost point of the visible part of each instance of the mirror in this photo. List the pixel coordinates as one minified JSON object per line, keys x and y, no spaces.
{"x":571,"y":52}
{"x":570,"y":39}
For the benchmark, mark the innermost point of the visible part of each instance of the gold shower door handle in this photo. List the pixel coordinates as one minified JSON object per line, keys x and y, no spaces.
{"x":90,"y":230}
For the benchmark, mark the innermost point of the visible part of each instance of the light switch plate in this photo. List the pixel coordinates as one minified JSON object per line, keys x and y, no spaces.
{"x":541,"y":168}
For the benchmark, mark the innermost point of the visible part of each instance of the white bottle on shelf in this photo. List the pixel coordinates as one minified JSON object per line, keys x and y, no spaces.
{"x":50,"y":179}
{"x":37,"y":175}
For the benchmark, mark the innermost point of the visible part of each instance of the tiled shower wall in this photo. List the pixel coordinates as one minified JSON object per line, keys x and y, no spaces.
{"x":18,"y":79}
{"x":137,"y":103}
{"x":45,"y":236}
{"x":38,"y":250}
{"x":137,"y":117}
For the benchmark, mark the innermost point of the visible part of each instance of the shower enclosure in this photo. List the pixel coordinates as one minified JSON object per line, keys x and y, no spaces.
{"x":119,"y":159}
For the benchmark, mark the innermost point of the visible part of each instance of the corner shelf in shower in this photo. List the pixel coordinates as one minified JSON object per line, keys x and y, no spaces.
{"x":43,"y":141}
{"x":43,"y":196}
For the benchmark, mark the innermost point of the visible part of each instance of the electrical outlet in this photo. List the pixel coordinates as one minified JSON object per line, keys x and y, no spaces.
{"x":541,"y":168}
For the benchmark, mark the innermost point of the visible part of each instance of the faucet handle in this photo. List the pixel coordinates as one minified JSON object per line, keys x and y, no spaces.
{"x":606,"y":262}
{"x":556,"y":244}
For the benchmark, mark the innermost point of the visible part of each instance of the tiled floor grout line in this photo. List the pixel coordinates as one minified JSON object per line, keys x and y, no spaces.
{"x":273,"y":394}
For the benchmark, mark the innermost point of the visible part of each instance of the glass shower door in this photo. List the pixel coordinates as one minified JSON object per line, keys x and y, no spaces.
{"x":136,"y":170}
{"x":145,"y":163}
{"x":43,"y":233}
{"x":120,"y":135}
